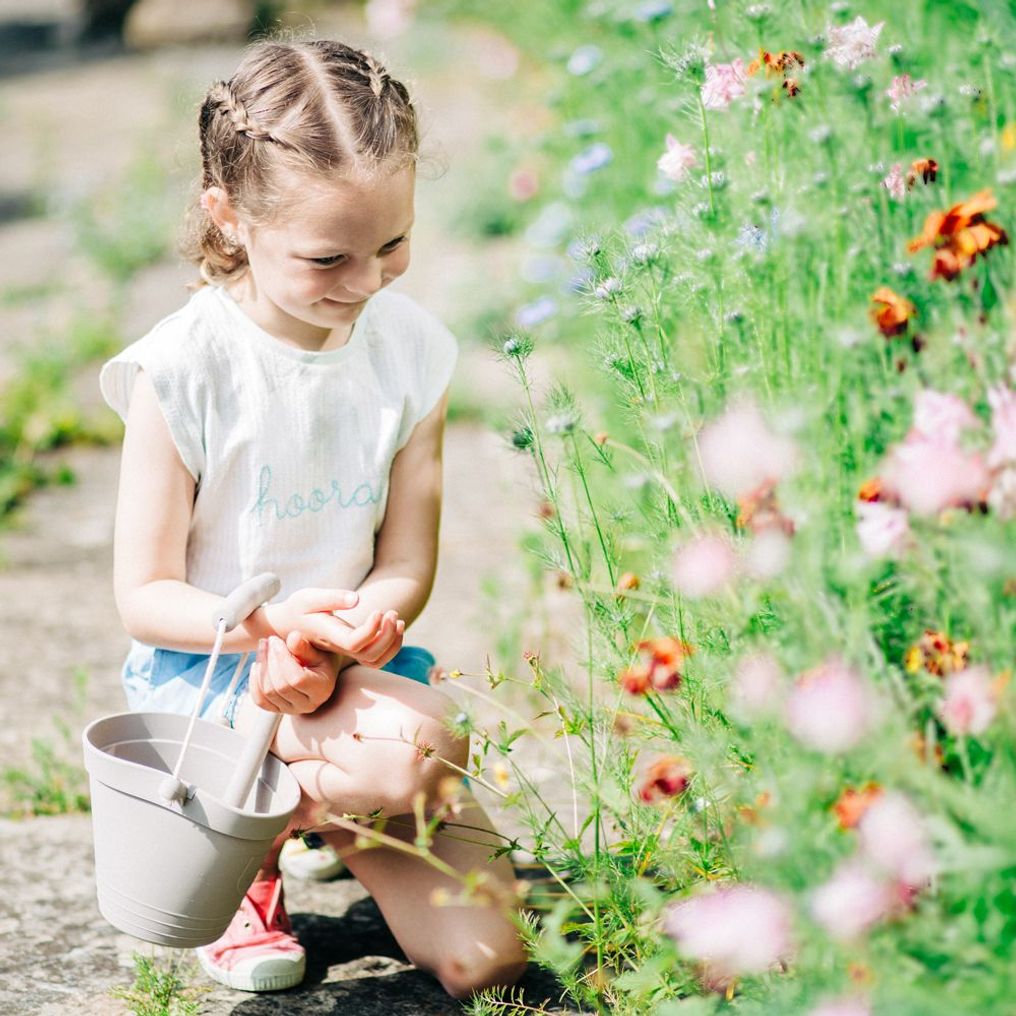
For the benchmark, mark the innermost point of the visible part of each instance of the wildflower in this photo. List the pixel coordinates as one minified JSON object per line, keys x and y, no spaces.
{"x":501,"y":775}
{"x":652,"y":11}
{"x":830,"y":708}
{"x":389,"y":18}
{"x":561,"y":423}
{"x":851,"y":901}
{"x":523,"y":185}
{"x":959,"y":234}
{"x":768,"y":554}
{"x":607,"y":288}
{"x":926,"y":169}
{"x":941,"y":416}
{"x":893,"y":837}
{"x":677,"y":160}
{"x":848,"y":46}
{"x":882,"y":529}
{"x":894,"y":183}
{"x":891,"y":312}
{"x":731,"y":931}
{"x":1003,"y":425}
{"x":628,"y":580}
{"x":658,"y":667}
{"x":779,"y":65}
{"x":756,"y":687}
{"x":851,"y":805}
{"x":936,"y":653}
{"x":929,"y":475}
{"x":724,"y":83}
{"x":532,"y":314}
{"x":704,"y":566}
{"x":596,"y":156}
{"x":740,"y":454}
{"x":584,"y":60}
{"x":668,"y":776}
{"x":901,"y":89}
{"x":970,"y":702}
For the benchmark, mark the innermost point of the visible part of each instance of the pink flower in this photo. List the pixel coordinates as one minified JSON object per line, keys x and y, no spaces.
{"x":842,"y":1007}
{"x":704,"y":566}
{"x":724,"y":83}
{"x":677,"y":160}
{"x":894,"y":839}
{"x":895,"y":182}
{"x":1003,"y":423}
{"x":928,"y":476}
{"x":732,"y":931}
{"x":884,"y":530}
{"x":389,"y":18}
{"x":830,"y":708}
{"x":941,"y":416}
{"x":851,"y":902}
{"x":902,"y":88}
{"x":739,"y":453}
{"x":970,"y":702}
{"x":850,"y":45}
{"x":756,"y":688}
{"x":1002,"y":496}
{"x":767,"y":554}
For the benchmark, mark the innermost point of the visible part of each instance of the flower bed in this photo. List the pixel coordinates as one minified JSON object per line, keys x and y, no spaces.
{"x":780,"y":233}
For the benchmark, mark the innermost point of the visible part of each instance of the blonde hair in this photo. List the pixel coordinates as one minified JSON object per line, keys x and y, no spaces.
{"x":316,"y":106}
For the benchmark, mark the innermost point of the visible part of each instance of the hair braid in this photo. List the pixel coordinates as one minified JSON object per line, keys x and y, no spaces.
{"x":229,"y":105}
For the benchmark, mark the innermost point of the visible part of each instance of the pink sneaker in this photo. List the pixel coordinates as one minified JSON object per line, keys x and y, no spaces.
{"x":258,"y":951}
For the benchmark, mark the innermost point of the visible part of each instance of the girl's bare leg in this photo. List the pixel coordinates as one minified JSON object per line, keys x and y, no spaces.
{"x":374,"y":747}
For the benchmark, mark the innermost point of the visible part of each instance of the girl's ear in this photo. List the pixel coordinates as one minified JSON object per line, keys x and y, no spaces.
{"x":215,"y":201}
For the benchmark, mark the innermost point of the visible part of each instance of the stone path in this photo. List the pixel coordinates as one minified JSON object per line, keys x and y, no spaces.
{"x":74,"y":125}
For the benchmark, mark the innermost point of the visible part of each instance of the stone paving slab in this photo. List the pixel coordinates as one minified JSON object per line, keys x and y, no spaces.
{"x":58,"y":955}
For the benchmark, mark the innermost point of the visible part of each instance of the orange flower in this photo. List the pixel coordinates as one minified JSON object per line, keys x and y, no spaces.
{"x":668,"y":776}
{"x":870,"y":490}
{"x":891,"y":312}
{"x":758,"y":511}
{"x":628,"y":580}
{"x":779,"y":65}
{"x":926,"y":169}
{"x":959,"y":235}
{"x":658,"y":668}
{"x":936,"y":653}
{"x":852,"y":804}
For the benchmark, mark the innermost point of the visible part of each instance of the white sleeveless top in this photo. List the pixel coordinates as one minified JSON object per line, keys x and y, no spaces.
{"x":291,"y":450}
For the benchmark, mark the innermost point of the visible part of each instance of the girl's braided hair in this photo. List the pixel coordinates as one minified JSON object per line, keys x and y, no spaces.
{"x":317,"y":107}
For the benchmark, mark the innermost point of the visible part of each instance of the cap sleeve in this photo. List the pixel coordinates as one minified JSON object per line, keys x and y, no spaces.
{"x":437,"y":353}
{"x":176,"y":387}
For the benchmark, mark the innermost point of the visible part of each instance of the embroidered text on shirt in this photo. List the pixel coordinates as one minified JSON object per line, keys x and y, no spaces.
{"x":296,"y":504}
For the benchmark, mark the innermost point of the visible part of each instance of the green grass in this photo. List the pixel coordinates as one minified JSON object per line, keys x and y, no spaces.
{"x":158,"y":990}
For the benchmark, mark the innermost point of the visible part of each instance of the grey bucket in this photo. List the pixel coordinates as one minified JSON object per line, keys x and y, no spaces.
{"x":168,"y":872}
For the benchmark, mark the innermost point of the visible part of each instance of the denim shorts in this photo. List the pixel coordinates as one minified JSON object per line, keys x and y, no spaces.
{"x":166,"y":681}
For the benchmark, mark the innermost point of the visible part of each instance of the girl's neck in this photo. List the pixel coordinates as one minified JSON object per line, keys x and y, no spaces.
{"x":287,"y":329}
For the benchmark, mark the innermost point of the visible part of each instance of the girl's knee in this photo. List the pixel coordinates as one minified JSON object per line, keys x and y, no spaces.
{"x":462,"y":978}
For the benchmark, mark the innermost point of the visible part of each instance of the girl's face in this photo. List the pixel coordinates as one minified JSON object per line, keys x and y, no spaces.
{"x":336,"y":244}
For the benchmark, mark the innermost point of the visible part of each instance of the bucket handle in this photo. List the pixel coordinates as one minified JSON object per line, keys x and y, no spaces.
{"x":237,"y":607}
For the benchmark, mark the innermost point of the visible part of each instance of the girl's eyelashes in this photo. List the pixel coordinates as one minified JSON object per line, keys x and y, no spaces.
{"x":335,"y":259}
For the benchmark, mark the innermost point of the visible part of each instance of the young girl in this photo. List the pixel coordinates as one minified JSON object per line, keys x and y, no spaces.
{"x":289,"y":418}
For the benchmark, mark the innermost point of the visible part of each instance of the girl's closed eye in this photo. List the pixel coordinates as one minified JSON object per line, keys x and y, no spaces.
{"x":335,"y":259}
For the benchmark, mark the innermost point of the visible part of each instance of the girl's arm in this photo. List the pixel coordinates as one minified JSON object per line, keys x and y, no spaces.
{"x":153,"y":515}
{"x":405,"y":552}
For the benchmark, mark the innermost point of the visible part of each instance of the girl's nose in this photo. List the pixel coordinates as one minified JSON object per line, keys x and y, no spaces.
{"x":365,"y":280}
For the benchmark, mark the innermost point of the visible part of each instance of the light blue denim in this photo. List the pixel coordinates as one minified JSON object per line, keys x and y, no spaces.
{"x":166,"y":681}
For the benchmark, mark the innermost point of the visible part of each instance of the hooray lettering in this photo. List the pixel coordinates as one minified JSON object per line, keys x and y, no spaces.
{"x":297,"y":504}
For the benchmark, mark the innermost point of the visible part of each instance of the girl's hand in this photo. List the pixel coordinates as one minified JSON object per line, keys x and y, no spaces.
{"x":291,"y":676}
{"x":310,"y":612}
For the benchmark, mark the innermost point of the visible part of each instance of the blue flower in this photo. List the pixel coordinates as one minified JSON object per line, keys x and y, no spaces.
{"x":653,"y":10}
{"x":535,"y":313}
{"x":642,"y":222}
{"x":584,"y":59}
{"x":582,"y":128}
{"x":551,"y":226}
{"x":590,"y":159}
